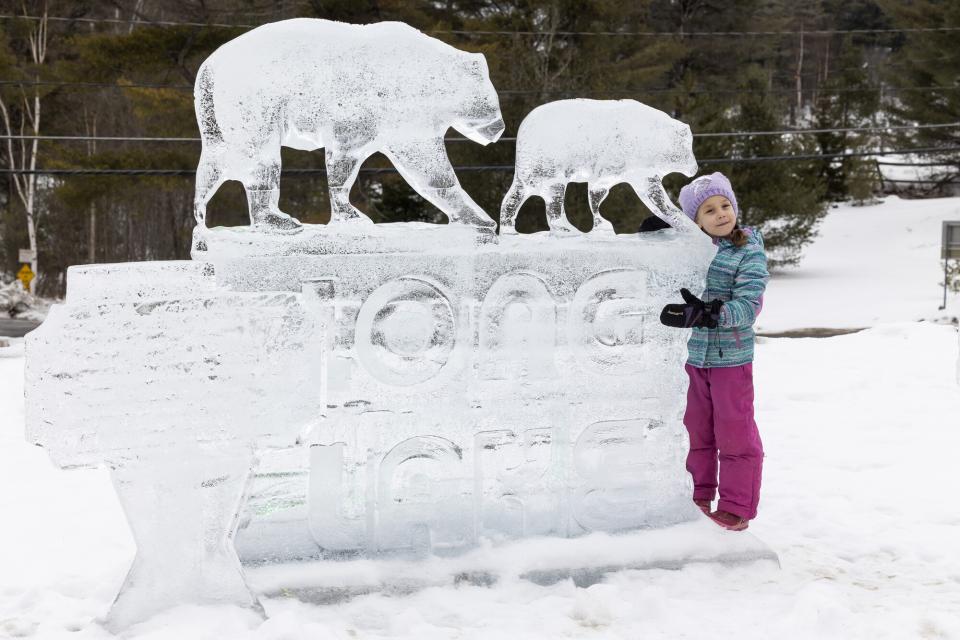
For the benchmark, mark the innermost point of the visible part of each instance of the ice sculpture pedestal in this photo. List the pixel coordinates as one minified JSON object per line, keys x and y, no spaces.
{"x":196,"y":506}
{"x":585,"y":560}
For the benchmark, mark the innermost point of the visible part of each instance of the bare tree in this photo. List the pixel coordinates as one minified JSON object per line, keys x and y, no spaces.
{"x":798,"y":77}
{"x":21,"y":154}
{"x":90,"y":130}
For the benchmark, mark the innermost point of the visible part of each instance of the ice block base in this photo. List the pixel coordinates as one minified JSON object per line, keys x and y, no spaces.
{"x":586,"y":560}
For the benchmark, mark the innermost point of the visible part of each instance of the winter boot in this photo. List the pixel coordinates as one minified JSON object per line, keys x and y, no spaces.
{"x":729,"y":521}
{"x":703,"y":505}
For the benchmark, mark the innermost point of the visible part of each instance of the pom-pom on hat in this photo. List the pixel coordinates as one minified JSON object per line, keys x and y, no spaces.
{"x":714,"y":184}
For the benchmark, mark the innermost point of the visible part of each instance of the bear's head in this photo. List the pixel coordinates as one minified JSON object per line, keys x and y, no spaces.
{"x":478,"y":114}
{"x":678,"y":152}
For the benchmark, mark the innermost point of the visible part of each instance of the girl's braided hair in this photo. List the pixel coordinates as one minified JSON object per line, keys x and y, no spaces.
{"x":738,"y":236}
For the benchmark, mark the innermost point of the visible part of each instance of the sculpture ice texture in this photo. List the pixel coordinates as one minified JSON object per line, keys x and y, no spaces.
{"x":602,"y":143}
{"x":511,"y":390}
{"x":395,"y":389}
{"x":175,"y":383}
{"x":353,"y":90}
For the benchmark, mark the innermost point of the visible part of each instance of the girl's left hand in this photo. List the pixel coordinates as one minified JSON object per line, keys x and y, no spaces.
{"x":693,"y":313}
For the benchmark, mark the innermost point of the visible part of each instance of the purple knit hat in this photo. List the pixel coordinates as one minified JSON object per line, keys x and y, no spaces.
{"x":693,"y":195}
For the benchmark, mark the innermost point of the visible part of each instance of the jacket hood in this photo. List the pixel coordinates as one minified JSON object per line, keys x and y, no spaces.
{"x":754,"y":236}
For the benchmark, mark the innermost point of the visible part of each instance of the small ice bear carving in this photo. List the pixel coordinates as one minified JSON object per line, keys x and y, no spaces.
{"x":352,"y":89}
{"x":602,"y":143}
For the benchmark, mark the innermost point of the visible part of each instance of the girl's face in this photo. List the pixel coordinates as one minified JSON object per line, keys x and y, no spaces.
{"x":716,"y":216}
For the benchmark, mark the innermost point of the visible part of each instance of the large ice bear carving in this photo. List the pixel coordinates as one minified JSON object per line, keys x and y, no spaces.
{"x":602,"y":143}
{"x":353,"y":90}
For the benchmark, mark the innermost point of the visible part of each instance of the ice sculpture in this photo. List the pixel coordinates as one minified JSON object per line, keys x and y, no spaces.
{"x":174,"y":383}
{"x":602,"y":143}
{"x":391,"y":389}
{"x":352,"y":89}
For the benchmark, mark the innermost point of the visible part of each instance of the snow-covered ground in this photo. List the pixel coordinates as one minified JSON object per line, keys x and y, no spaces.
{"x":17,"y":303}
{"x":859,"y":495}
{"x":870,"y":264}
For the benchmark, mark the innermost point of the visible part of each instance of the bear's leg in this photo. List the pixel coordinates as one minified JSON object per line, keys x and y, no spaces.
{"x":655,"y":197}
{"x":597,"y":196}
{"x":512,"y":202}
{"x":209,"y":179}
{"x":556,"y":212}
{"x":262,"y":184}
{"x":342,"y":169}
{"x":425,"y":166}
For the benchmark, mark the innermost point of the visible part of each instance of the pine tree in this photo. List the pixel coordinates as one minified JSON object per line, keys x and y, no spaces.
{"x":928,"y":59}
{"x":784,"y":199}
{"x":845,"y":100}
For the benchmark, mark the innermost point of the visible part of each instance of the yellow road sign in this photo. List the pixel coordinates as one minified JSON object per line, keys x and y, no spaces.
{"x":25,"y":275}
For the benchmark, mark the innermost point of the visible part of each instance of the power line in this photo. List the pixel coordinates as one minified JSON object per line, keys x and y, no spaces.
{"x":101,"y":138}
{"x":784,"y":74}
{"x":676,"y":90}
{"x":491,"y":168}
{"x":190,"y":172}
{"x":268,"y":10}
{"x":832,"y":130}
{"x":817,"y":156}
{"x":920,"y":164}
{"x":709,"y":134}
{"x":738,"y":34}
{"x":944,"y":181}
{"x":131,"y":21}
{"x":111,"y":85}
{"x":104,"y":85}
{"x":522,"y":92}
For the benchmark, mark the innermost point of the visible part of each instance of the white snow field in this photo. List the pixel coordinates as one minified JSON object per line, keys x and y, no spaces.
{"x":859,"y":496}
{"x":869,"y":264}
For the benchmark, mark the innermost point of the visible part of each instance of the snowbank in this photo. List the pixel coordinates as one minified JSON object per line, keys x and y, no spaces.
{"x":16,"y":302}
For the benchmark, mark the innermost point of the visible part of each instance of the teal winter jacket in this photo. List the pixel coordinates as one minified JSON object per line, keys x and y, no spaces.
{"x":738,"y":276}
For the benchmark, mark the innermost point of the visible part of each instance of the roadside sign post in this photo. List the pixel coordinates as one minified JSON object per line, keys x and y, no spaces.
{"x":949,"y":250}
{"x":26,"y":257}
{"x":25,"y":275}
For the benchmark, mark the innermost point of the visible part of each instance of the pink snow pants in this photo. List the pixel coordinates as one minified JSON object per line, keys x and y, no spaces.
{"x":719,"y":419}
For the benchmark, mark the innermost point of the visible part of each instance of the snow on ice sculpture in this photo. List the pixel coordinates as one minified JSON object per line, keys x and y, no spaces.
{"x":602,"y":143}
{"x":175,"y":384}
{"x":353,"y":90}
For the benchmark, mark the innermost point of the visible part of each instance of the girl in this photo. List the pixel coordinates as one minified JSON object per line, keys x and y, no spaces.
{"x":719,"y":414}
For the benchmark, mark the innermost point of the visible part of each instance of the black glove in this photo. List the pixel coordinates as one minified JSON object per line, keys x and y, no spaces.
{"x":693,"y":313}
